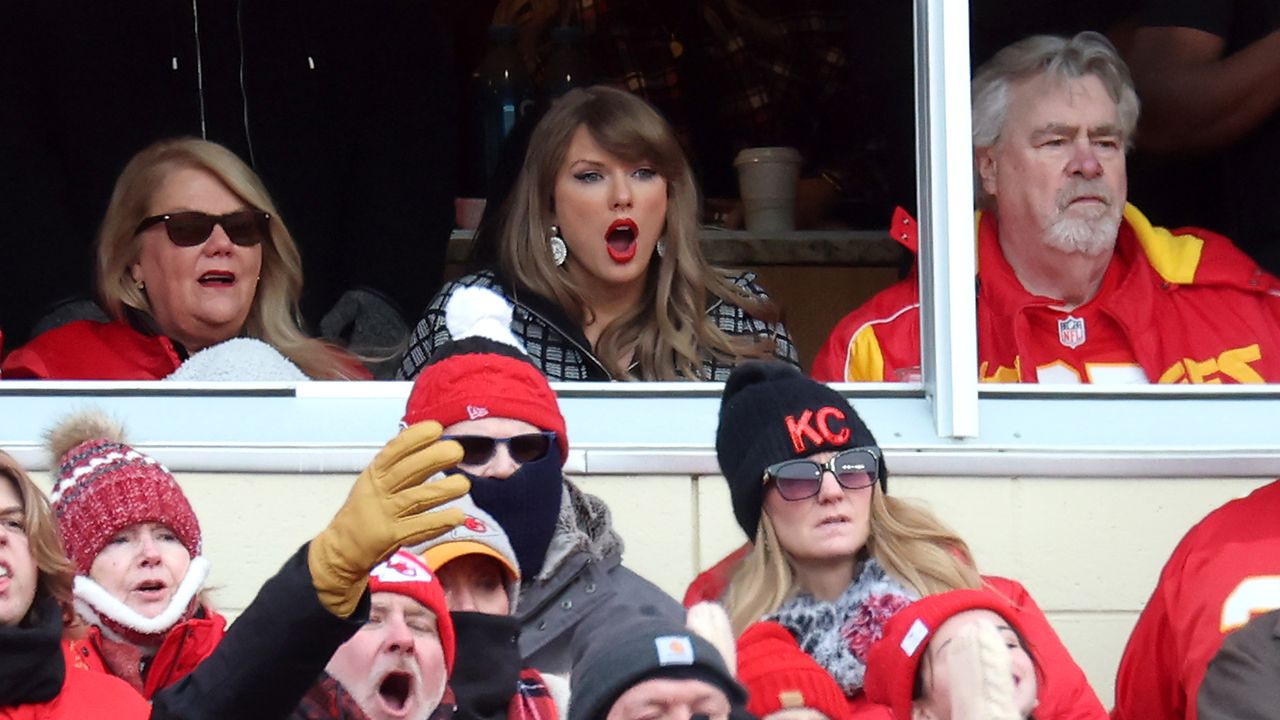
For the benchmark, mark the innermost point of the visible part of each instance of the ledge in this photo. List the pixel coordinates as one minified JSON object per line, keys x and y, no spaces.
{"x":669,"y":428}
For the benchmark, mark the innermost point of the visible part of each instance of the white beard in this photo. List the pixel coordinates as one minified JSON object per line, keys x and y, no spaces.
{"x":1091,"y":233}
{"x":1087,"y":236}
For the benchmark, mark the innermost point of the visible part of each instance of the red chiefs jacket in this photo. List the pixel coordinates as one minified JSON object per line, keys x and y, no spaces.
{"x":184,"y":647}
{"x":1065,"y":693}
{"x":89,"y":350}
{"x":1192,"y":308}
{"x":1225,"y":570}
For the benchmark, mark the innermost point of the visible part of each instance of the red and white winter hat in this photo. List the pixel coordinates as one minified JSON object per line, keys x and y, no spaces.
{"x":483,"y":372}
{"x":406,"y":574}
{"x":103,"y":486}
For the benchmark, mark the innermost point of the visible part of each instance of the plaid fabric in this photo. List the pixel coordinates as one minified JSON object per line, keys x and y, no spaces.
{"x":564,"y":355}
{"x":532,"y":700}
{"x":329,"y":700}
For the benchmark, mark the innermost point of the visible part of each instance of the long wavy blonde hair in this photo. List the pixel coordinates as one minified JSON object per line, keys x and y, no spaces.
{"x":274,"y":316}
{"x":908,"y":542}
{"x":669,"y":333}
{"x":55,"y":572}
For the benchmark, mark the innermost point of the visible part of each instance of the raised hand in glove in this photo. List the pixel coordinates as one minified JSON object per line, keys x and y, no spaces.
{"x":387,"y":508}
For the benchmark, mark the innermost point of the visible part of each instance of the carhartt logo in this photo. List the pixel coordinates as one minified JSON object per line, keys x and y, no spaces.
{"x":817,"y":428}
{"x":475,"y":412}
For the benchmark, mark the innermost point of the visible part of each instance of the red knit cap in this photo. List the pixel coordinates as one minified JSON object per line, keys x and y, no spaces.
{"x":103,"y":487}
{"x":893,"y":661}
{"x":779,"y":675}
{"x":405,"y":574}
{"x":483,"y":371}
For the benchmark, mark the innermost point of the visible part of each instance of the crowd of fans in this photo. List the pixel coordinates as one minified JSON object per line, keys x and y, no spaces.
{"x":465,"y":575}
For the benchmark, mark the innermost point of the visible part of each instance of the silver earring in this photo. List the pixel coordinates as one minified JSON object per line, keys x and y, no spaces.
{"x":559,"y":251}
{"x":140,"y":284}
{"x":662,"y":247}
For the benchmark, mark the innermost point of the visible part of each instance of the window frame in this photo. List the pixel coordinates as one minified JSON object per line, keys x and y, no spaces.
{"x":945,"y":425}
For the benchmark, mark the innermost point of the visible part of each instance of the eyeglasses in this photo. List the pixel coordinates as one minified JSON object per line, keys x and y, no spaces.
{"x":246,"y":228}
{"x":855,"y":469}
{"x":479,"y":449}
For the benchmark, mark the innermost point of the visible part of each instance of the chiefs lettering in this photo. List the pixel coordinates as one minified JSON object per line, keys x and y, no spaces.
{"x":817,"y":428}
{"x":1232,"y":364}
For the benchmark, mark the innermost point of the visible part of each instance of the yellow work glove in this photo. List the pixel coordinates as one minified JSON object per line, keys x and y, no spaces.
{"x":387,"y":508}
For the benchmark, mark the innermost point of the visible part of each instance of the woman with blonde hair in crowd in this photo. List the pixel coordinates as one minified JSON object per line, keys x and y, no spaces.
{"x":191,"y":253}
{"x":598,"y":251}
{"x":833,"y":557}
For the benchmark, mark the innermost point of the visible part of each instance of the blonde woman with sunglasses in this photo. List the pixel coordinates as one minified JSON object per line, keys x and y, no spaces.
{"x":192,"y":252}
{"x":833,"y":557}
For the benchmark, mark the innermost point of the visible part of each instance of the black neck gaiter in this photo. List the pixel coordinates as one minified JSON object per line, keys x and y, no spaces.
{"x":32,"y":668}
{"x":526,"y":505}
{"x":486,"y":670}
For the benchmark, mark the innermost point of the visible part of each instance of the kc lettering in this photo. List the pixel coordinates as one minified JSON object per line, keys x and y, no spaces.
{"x":818,"y":429}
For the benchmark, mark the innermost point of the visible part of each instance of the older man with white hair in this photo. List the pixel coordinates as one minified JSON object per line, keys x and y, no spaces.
{"x":1074,"y":285}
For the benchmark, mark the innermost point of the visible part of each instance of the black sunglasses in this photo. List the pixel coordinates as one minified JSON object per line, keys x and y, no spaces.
{"x":479,"y":449}
{"x":855,"y":469}
{"x":246,"y":228}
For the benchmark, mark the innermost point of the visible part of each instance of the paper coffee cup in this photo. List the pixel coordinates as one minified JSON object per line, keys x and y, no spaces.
{"x":767,"y":178}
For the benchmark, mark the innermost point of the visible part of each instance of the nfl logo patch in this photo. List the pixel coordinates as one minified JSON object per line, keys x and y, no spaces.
{"x":1071,"y":331}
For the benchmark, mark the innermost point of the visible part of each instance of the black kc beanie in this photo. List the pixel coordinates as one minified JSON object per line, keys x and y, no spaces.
{"x":770,"y":412}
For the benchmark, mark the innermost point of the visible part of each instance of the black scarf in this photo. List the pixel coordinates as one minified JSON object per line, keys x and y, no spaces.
{"x":526,"y":505}
{"x":32,"y":668}
{"x":486,"y":670}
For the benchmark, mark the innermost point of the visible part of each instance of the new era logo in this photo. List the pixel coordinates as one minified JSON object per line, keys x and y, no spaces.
{"x":476,"y":412}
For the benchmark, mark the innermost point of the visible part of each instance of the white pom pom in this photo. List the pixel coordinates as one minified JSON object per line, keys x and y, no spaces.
{"x":480,"y":312}
{"x":710,"y":620}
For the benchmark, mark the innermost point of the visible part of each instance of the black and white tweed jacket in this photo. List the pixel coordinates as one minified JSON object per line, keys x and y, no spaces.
{"x":558,"y":346}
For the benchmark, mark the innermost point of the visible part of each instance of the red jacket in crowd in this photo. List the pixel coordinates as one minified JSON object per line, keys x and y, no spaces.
{"x":1186,"y":306}
{"x":1225,"y":570}
{"x":1065,"y":693}
{"x":85,"y":694}
{"x":184,"y":647}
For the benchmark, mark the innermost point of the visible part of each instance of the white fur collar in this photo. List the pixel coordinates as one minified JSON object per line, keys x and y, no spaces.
{"x":93,"y":602}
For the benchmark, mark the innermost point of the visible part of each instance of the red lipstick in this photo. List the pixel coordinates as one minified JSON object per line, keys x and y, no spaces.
{"x":620,"y":240}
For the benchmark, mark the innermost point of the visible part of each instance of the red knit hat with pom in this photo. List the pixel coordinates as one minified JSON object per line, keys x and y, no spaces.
{"x":405,"y":574}
{"x":779,"y":675}
{"x":103,"y":486}
{"x":483,"y":372}
{"x":892,"y":662}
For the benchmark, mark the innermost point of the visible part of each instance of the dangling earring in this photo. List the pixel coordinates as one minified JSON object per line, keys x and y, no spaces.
{"x":559,"y":251}
{"x":662,"y":247}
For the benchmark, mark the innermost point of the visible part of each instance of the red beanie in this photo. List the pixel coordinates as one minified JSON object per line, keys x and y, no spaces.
{"x":103,"y":486}
{"x":405,"y":574}
{"x":483,"y":372}
{"x":893,"y":660}
{"x":779,"y":675}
